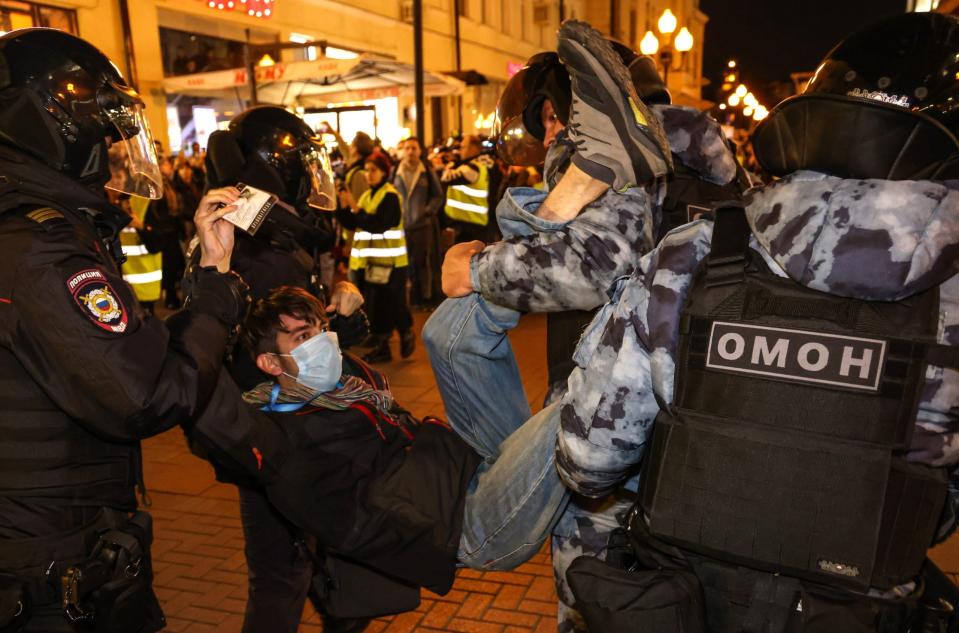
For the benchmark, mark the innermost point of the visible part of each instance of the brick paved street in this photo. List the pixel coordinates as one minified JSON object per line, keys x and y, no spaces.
{"x":198,"y":552}
{"x":198,"y":548}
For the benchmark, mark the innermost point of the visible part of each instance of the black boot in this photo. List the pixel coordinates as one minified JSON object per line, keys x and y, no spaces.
{"x":407,"y":343}
{"x":344,"y":625}
{"x":380,"y":353}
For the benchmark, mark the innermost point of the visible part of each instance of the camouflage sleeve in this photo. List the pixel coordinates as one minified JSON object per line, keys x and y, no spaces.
{"x":698,"y":141}
{"x":935,"y":439}
{"x":625,"y":367}
{"x":568,"y":266}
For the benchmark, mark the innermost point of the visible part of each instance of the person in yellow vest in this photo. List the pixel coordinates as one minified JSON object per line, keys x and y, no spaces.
{"x":471,"y":186}
{"x":143,"y":268}
{"x":378,"y":258}
{"x":354,"y":180}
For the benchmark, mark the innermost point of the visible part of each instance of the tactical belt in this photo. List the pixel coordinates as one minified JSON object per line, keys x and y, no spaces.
{"x":38,"y":562}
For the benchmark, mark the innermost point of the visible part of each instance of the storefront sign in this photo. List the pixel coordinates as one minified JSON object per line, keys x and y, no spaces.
{"x":293,"y":71}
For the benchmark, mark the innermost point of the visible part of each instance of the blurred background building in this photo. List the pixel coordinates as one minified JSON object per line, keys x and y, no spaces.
{"x":189,"y":58}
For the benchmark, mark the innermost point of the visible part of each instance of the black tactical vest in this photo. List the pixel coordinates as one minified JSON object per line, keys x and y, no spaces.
{"x":563,"y":330}
{"x":689,"y":196}
{"x":51,"y":456}
{"x":792,"y":409}
{"x":46,"y":455}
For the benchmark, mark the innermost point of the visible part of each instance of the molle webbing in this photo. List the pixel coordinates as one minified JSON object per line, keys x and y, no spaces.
{"x":792,"y":410}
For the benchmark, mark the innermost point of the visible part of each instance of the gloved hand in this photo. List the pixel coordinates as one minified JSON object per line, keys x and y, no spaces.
{"x":224,"y":296}
{"x":346,"y":299}
{"x":350,"y":330}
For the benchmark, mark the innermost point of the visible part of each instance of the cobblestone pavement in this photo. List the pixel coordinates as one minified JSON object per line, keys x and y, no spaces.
{"x":198,"y":547}
{"x":198,"y":551}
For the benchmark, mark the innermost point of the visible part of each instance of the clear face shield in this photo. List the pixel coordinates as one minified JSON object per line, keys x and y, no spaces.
{"x":515,"y":144}
{"x":134,"y":166}
{"x":316,"y":161}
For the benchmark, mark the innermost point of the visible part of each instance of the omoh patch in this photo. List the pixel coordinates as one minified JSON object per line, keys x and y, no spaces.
{"x":97,"y":300}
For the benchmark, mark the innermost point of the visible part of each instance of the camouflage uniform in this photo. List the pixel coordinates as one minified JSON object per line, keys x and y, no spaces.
{"x":874,"y":240}
{"x":543,"y":266}
{"x":697,"y":142}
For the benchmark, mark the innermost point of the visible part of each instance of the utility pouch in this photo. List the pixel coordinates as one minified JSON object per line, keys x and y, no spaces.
{"x":14,"y":604}
{"x":613,"y":599}
{"x":111,"y":591}
{"x":833,"y":511}
{"x":821,"y":610}
{"x":378,"y":274}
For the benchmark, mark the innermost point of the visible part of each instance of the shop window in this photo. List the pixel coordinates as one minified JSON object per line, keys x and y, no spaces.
{"x":21,"y":15}
{"x":188,"y":53}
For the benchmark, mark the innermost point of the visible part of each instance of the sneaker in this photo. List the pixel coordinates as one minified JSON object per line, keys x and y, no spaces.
{"x":407,"y":343}
{"x":618,"y":140}
{"x":380,"y":354}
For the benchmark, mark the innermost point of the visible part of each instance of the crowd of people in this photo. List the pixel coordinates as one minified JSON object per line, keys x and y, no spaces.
{"x":752,"y":416}
{"x":422,"y":179}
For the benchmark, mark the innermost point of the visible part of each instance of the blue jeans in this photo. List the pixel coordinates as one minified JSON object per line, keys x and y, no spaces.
{"x":516,"y":496}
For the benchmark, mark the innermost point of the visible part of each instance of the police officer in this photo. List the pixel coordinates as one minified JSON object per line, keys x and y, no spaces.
{"x":272,"y":149}
{"x":532,"y":272}
{"x":798,"y":358}
{"x":86,"y":374}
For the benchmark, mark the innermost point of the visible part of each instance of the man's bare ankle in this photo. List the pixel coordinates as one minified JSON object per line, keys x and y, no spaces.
{"x":547,"y":213}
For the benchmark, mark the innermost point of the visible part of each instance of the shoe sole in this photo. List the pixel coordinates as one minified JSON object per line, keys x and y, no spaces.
{"x":600,"y":71}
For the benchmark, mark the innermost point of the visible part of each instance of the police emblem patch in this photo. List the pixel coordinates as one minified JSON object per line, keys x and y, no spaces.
{"x":97,"y":300}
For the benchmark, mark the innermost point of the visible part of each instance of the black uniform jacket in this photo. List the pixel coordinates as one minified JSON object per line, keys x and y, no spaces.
{"x":85,"y":373}
{"x":388,"y":494}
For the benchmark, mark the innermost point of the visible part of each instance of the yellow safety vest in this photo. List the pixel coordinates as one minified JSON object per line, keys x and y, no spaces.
{"x":383,"y":249}
{"x":143,"y":270}
{"x":470,"y":202}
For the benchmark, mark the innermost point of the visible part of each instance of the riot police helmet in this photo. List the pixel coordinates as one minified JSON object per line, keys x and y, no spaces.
{"x":884,"y":104}
{"x":518,"y":127}
{"x":283,"y":155}
{"x":64,"y":103}
{"x":648,"y":82}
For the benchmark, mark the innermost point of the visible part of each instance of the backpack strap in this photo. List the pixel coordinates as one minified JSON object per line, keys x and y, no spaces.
{"x":728,"y":254}
{"x":943,"y":356}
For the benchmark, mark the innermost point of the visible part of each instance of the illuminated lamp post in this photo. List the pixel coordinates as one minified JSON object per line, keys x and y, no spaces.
{"x":682,"y":43}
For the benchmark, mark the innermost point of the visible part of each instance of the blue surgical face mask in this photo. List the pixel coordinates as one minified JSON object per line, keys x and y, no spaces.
{"x":320,"y":362}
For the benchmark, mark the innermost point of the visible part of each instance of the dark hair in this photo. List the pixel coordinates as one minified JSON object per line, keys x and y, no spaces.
{"x":414,"y":138}
{"x":263,"y":323}
{"x":363,"y":144}
{"x":381,"y":161}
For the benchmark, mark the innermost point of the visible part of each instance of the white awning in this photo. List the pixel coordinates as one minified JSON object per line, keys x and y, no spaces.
{"x":323,"y":80}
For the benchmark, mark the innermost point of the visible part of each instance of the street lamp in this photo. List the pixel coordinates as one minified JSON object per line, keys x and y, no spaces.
{"x":683,"y":42}
{"x":649,"y":44}
{"x":667,"y":22}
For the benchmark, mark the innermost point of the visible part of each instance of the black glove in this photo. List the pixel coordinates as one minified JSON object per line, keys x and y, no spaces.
{"x":350,"y":330}
{"x":224,"y":296}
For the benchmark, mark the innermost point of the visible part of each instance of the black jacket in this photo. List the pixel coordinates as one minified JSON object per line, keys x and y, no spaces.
{"x":86,"y":374}
{"x":388,"y":495}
